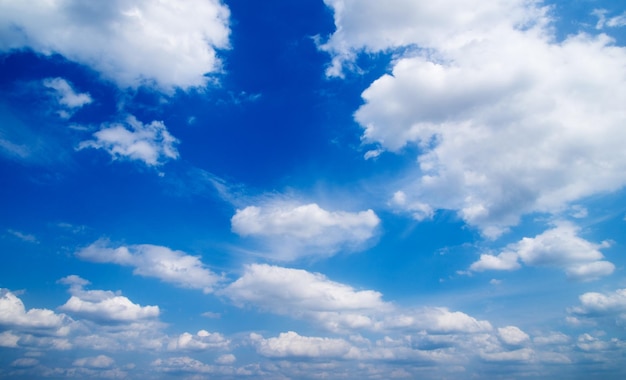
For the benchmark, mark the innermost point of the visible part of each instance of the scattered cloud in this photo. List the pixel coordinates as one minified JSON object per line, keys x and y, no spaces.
{"x":167,"y":265}
{"x":14,"y":314}
{"x":501,"y":132}
{"x":22,"y":236}
{"x":513,"y":336}
{"x":338,"y":307}
{"x":100,"y":362}
{"x":558,"y":247}
{"x":165,"y":44}
{"x":290,"y":344}
{"x":292,"y":230}
{"x":612,"y":22}
{"x":66,"y":96}
{"x":600,"y":305}
{"x":151,"y":143}
{"x":202,"y":340}
{"x":103,"y":305}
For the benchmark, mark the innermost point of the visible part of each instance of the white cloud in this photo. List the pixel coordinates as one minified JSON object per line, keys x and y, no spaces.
{"x":66,"y":95}
{"x":103,"y":305}
{"x":560,"y":247}
{"x":613,"y":22}
{"x":202,"y":340}
{"x":150,"y":143}
{"x":513,"y":336}
{"x":226,"y":359}
{"x":100,"y":362}
{"x":22,"y":236}
{"x":594,"y":304}
{"x":338,"y":307}
{"x":436,"y":320}
{"x":503,"y":261}
{"x":182,"y":364}
{"x":290,"y":344}
{"x":25,"y":362}
{"x":13,"y":314}
{"x":170,"y":266}
{"x":293,"y":230}
{"x":167,"y":43}
{"x":509,"y":121}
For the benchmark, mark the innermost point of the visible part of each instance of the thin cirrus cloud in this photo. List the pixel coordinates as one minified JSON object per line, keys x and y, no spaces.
{"x":151,"y":143}
{"x":175,"y":267}
{"x":291,"y":230}
{"x":501,"y":131}
{"x":557,"y":247}
{"x":165,"y":44}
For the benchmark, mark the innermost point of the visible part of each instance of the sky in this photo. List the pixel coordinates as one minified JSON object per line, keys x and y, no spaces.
{"x":340,"y":189}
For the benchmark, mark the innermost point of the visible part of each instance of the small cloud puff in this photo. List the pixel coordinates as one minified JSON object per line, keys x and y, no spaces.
{"x":151,"y":143}
{"x":291,"y":230}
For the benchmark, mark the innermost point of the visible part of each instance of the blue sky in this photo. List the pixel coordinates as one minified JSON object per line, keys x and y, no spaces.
{"x":312,"y":189}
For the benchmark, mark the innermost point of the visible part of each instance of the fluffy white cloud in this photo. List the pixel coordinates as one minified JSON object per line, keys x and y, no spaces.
{"x":513,"y":336}
{"x":436,"y":320}
{"x":103,"y":305}
{"x":202,"y":340}
{"x":13,"y":314}
{"x":290,"y":344}
{"x":508,"y":120}
{"x":100,"y":361}
{"x":293,"y":230}
{"x":65,"y":93}
{"x":339,"y":307}
{"x":560,"y":247}
{"x":226,"y":359}
{"x":150,"y":143}
{"x":165,"y":43}
{"x":284,"y":290}
{"x":170,"y":266}
{"x":594,"y":304}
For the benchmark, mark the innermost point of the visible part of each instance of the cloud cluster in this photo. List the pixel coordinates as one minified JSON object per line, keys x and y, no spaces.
{"x":170,"y":266}
{"x":292,"y":230}
{"x":594,"y":305}
{"x":508,"y":120}
{"x":558,"y":247}
{"x":150,"y":143}
{"x":166,"y":44}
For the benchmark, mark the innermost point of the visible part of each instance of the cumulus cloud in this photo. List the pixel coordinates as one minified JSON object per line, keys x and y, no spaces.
{"x":290,"y":344}
{"x":292,"y":230}
{"x":513,"y":336}
{"x":151,"y":143}
{"x":99,"y":362}
{"x":599,"y":305}
{"x":175,"y":267}
{"x":13,"y":314}
{"x":66,"y":95}
{"x":338,"y":307}
{"x":436,"y":320}
{"x":166,"y":44}
{"x":202,"y":340}
{"x":103,"y":305}
{"x":559,"y":247}
{"x":508,"y":120}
